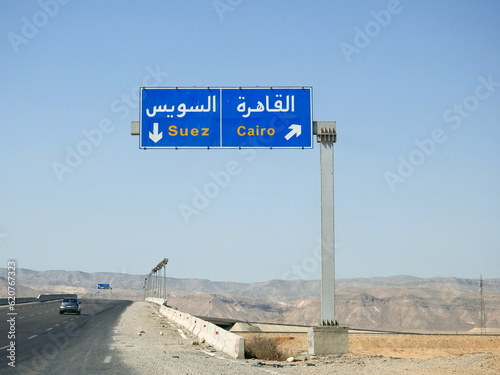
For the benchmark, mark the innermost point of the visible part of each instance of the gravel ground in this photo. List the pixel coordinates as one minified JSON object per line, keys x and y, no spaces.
{"x":148,"y":343}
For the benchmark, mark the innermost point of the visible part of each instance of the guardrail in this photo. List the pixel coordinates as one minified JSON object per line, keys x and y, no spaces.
{"x":40,"y":298}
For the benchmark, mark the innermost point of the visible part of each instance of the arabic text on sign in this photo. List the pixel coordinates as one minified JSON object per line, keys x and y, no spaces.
{"x":278,"y":105}
{"x":182,"y":108}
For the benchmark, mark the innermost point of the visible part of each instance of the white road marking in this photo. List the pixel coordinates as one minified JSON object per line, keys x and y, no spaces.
{"x":48,"y":329}
{"x":107,"y":359}
{"x":32,"y":337}
{"x":4,"y":347}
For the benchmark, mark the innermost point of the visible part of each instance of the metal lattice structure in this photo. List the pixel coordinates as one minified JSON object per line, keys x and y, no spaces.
{"x":155,"y":285}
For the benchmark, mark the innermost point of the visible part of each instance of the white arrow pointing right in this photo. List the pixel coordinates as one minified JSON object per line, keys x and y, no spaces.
{"x":155,"y":137}
{"x":296,"y":130}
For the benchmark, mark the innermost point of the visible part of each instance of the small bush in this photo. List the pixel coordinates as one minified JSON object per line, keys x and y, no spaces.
{"x":261,"y":347}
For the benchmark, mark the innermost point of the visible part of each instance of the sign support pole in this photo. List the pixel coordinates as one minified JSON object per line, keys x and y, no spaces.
{"x":164,"y":283}
{"x":327,"y":136}
{"x":328,"y":338}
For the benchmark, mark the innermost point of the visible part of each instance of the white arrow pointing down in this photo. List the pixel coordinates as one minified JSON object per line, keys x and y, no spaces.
{"x":296,"y":130}
{"x":155,"y":137}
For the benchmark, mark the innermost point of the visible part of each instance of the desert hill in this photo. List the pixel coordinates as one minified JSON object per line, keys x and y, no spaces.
{"x":399,"y":303}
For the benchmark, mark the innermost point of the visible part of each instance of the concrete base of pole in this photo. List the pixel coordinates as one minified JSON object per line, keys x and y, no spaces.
{"x":328,"y":340}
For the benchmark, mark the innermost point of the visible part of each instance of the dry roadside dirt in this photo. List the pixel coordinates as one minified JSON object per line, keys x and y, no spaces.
{"x":398,"y":354}
{"x":402,"y":345}
{"x":149,"y":343}
{"x":423,"y":346}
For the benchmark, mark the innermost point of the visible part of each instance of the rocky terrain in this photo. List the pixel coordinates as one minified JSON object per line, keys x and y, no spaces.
{"x":399,"y":303}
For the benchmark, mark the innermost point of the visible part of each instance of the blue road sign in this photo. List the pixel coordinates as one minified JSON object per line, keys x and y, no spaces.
{"x":278,"y":117}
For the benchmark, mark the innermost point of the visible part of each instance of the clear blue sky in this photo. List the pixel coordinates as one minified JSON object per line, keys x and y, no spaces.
{"x":413,"y":85}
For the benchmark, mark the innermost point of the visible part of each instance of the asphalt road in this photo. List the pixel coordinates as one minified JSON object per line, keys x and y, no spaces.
{"x":47,"y":342}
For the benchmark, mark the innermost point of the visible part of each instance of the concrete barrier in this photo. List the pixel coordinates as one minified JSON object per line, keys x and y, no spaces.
{"x":209,"y":333}
{"x":215,"y":336}
{"x":53,"y":297}
{"x":220,"y":339}
{"x":179,"y":318}
{"x":184,"y":320}
{"x":203,"y":332}
{"x":159,"y":301}
{"x":197,"y":326}
{"x":192,"y":323}
{"x":234,"y":345}
{"x":165,"y":311}
{"x":171,"y":313}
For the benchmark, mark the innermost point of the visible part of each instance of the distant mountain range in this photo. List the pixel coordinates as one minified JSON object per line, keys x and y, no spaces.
{"x":400,"y":303}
